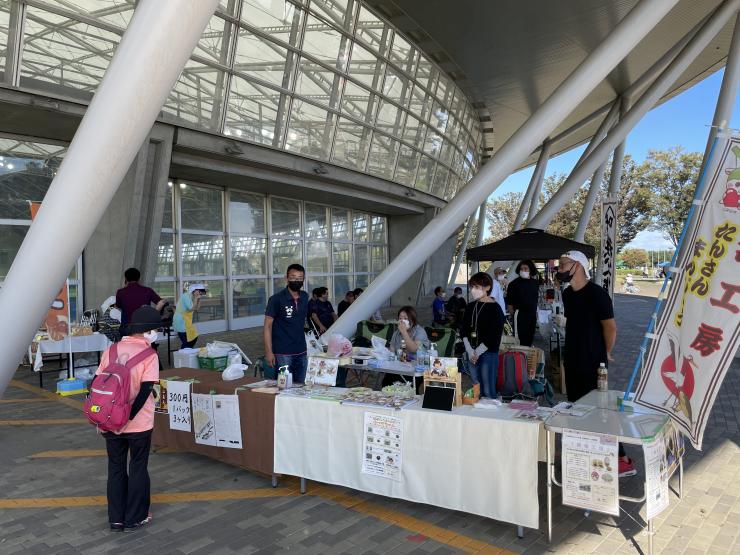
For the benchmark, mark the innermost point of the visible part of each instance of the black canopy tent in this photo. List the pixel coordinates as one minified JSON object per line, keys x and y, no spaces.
{"x":528,"y":243}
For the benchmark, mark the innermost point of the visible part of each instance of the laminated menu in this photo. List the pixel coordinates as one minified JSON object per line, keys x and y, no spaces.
{"x":383,"y":446}
{"x":591,"y":471}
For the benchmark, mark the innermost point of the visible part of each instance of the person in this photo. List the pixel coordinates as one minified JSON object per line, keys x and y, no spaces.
{"x":128,"y":492}
{"x":481,"y":330}
{"x":182,"y":321}
{"x":349,"y":298}
{"x":439,"y":314}
{"x":286,"y":311}
{"x":455,"y":307}
{"x":134,"y":295}
{"x":523,"y":295}
{"x":408,"y":333}
{"x":499,"y":275}
{"x":321,"y":311}
{"x":590,"y":333}
{"x":109,"y":323}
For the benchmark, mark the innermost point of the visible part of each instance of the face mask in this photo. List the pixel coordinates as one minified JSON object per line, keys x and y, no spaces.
{"x":500,"y":277}
{"x":115,"y":313}
{"x":477,"y":293}
{"x":405,"y":322}
{"x":150,"y":336}
{"x":563,"y":277}
{"x":524,"y":274}
{"x":295,"y":285}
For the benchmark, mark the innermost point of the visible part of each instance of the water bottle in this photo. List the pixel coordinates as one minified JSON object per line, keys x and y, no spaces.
{"x":602,"y":380}
{"x":433,"y":351}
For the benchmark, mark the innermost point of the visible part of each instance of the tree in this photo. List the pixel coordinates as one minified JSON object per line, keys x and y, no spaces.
{"x":501,"y":213}
{"x":671,"y":175}
{"x":634,"y":258}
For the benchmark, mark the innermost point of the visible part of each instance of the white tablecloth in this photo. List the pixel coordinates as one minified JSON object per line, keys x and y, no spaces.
{"x":97,"y":342}
{"x":474,"y":460}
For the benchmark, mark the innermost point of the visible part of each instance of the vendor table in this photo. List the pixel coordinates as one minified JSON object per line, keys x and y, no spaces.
{"x":403,"y":369}
{"x":95,"y":343}
{"x":480,"y":461}
{"x":635,"y":427}
{"x":256,"y":413}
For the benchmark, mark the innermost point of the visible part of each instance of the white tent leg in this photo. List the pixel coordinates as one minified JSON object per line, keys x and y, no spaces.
{"x":157,"y":43}
{"x":597,"y":65}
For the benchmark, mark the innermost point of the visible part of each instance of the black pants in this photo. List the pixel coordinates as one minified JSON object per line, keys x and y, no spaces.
{"x":526,"y":323}
{"x":184,"y":340}
{"x":128,"y":492}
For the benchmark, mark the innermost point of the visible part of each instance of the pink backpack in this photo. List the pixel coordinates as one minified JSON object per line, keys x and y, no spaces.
{"x":108,"y":405}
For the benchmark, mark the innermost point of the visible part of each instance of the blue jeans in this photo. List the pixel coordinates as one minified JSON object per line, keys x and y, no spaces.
{"x":297,"y":365}
{"x":485,"y":372}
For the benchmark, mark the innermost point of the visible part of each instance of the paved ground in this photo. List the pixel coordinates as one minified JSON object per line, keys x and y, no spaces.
{"x":53,"y":493}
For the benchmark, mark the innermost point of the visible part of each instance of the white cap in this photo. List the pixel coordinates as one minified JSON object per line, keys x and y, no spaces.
{"x":107,"y":303}
{"x":195,"y":287}
{"x":577,"y":256}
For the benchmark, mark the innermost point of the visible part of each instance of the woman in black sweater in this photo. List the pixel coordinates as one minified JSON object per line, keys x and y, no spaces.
{"x":482,"y":326}
{"x":523,"y":295}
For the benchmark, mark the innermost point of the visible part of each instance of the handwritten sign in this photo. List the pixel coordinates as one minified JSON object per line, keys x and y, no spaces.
{"x":608,"y":244}
{"x":178,"y":405}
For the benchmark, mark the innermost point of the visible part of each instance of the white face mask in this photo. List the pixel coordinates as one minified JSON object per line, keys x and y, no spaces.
{"x":524,"y":274}
{"x":115,"y":313}
{"x":500,"y":277}
{"x":405,"y":322}
{"x":150,"y":336}
{"x":477,"y":293}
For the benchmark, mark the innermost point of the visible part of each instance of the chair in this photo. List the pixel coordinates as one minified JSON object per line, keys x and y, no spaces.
{"x":366,"y":330}
{"x":444,"y":338}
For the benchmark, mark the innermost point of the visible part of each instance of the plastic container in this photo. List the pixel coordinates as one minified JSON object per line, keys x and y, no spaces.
{"x":602,"y":379}
{"x":186,"y":358}
{"x":213,"y":363}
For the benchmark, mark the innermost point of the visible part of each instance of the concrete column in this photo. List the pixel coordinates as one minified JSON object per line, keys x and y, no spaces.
{"x":654,"y":93}
{"x":624,"y":37}
{"x":147,"y":62}
{"x":128,"y":234}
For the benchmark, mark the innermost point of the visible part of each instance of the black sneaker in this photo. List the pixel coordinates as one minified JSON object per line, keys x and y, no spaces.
{"x":138,"y":525}
{"x":116,"y":526}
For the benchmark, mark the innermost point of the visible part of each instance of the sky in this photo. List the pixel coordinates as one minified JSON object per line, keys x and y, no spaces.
{"x":683,"y":120}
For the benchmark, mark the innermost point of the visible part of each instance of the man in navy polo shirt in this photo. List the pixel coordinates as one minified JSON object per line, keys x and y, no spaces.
{"x":285,"y":340}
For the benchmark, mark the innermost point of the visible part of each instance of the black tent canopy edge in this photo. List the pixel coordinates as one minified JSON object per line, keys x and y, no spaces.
{"x":528,"y":243}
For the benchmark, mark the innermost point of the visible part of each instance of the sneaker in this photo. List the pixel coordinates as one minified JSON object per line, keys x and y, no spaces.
{"x":116,"y":526}
{"x":138,"y":525}
{"x":626,"y":467}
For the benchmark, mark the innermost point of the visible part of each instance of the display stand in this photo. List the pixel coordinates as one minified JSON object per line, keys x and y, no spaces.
{"x":443,"y":381}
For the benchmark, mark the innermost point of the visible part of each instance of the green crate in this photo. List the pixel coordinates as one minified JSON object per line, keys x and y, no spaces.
{"x":213,"y":363}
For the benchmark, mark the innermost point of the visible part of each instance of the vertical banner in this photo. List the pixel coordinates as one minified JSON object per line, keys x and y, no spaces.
{"x":607,"y":257}
{"x":56,"y":320}
{"x":698,"y":331}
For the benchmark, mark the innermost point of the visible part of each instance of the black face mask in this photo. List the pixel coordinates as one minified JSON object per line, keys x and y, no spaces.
{"x":295,"y":285}
{"x":563,"y":277}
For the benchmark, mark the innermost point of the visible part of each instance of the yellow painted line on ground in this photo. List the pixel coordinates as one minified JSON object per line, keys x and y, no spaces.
{"x":43,"y":422}
{"x":77,"y":453}
{"x":433,"y":532}
{"x":25,"y":400}
{"x":182,"y":497}
{"x":74,"y":403}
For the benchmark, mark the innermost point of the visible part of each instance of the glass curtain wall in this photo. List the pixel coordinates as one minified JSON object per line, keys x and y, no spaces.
{"x":323,"y":79}
{"x":242,"y":253}
{"x":26,"y":171}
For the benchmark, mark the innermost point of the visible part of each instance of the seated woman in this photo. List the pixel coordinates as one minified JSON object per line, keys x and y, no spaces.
{"x":410,"y":333}
{"x":481,"y":331}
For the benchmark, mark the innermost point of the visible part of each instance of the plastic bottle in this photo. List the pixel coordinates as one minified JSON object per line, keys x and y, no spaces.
{"x":403,"y":355}
{"x":433,"y":351}
{"x":602,"y":380}
{"x":282,"y":379}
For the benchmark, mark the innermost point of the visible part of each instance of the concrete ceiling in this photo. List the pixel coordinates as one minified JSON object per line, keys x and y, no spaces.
{"x":510,"y":55}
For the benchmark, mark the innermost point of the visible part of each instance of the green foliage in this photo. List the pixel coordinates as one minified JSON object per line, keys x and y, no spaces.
{"x":634,"y":258}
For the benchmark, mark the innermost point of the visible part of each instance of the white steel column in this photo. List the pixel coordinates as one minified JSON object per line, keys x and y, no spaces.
{"x":654,"y":93}
{"x":461,"y":250}
{"x":481,"y":231}
{"x":535,"y":184}
{"x":147,"y":62}
{"x":588,"y":207}
{"x":535,"y":200}
{"x":597,"y":65}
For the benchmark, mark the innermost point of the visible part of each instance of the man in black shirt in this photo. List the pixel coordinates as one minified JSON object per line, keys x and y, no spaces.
{"x":590,"y":333}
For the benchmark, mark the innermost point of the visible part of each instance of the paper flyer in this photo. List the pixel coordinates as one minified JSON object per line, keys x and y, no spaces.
{"x":178,"y":405}
{"x":590,"y":471}
{"x":203,"y":421}
{"x":322,"y":371}
{"x":656,"y":476}
{"x":383,"y":446}
{"x":226,"y":420}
